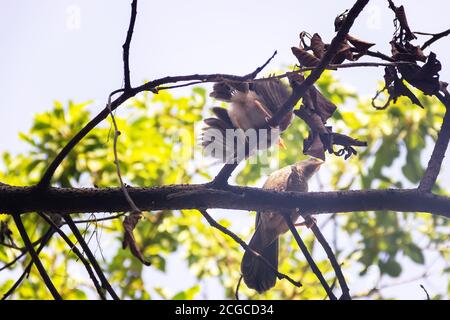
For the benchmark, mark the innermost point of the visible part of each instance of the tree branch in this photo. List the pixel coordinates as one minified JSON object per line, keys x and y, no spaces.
{"x":229,"y":233}
{"x":105,"y":283}
{"x":45,"y":239}
{"x":221,"y":179}
{"x":434,"y":38}
{"x":126,"y":46}
{"x":337,"y":268}
{"x":438,"y":154}
{"x":77,"y":252}
{"x":308,"y":257}
{"x":35,"y":257}
{"x":60,"y":201}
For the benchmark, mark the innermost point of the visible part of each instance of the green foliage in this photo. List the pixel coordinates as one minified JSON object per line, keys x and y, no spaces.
{"x":156,"y":147}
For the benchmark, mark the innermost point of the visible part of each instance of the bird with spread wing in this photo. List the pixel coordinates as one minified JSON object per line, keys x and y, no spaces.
{"x":251,"y":105}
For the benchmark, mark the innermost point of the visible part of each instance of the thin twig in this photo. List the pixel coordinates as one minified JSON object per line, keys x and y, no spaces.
{"x":236,"y":292}
{"x":11,"y":246}
{"x":7,"y":265}
{"x":426,"y":292}
{"x":231,"y":234}
{"x":24,"y":252}
{"x":45,"y":239}
{"x":336,"y":266}
{"x":299,"y":70}
{"x":374,"y":290}
{"x":438,"y":154}
{"x":253,"y":74}
{"x":126,"y":46}
{"x":133,"y":206}
{"x":35,"y":257}
{"x":178,"y":85}
{"x":435,"y":37}
{"x":379,"y":55}
{"x":77,"y":252}
{"x":95,"y":220}
{"x":308,"y":257}
{"x":105,"y":283}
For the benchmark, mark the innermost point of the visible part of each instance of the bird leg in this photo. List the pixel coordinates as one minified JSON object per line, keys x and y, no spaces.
{"x":309,"y":221}
{"x":268,"y":117}
{"x":263,"y":109}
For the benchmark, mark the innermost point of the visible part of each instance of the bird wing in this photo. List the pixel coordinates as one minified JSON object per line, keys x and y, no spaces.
{"x":273,"y":93}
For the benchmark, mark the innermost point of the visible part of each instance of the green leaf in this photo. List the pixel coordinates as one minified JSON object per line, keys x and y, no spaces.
{"x":414,"y":253}
{"x":390,"y":267}
{"x":189,"y":294}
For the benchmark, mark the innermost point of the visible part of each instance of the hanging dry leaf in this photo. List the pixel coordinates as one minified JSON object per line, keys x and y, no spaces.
{"x":425,"y":78}
{"x":129,"y":225}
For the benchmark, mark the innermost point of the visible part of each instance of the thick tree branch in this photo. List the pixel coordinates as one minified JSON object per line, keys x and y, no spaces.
{"x":300,"y":89}
{"x":438,"y":154}
{"x":173,"y":197}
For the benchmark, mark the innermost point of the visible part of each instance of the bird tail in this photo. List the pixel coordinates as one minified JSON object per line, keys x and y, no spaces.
{"x":256,"y":273}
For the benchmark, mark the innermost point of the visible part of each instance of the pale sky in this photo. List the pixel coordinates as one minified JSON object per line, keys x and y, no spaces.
{"x":61,"y":50}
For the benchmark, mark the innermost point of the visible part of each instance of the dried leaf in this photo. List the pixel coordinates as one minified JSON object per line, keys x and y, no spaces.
{"x":360,"y":45}
{"x":344,"y":52}
{"x":396,"y":88}
{"x":313,"y":146}
{"x":400,"y":89}
{"x":129,"y":225}
{"x":317,"y":46}
{"x":407,"y":52}
{"x":321,"y":105}
{"x":401,"y":17}
{"x":425,"y":78}
{"x":305,"y":58}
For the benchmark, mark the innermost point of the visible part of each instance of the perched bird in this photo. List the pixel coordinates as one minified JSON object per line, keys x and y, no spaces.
{"x":271,"y":224}
{"x":251,"y":105}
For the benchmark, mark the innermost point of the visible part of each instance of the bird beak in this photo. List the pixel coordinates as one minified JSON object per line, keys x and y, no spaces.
{"x":282,"y":144}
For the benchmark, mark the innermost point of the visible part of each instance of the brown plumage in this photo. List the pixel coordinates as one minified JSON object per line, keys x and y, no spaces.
{"x":270,"y":225}
{"x":251,"y":105}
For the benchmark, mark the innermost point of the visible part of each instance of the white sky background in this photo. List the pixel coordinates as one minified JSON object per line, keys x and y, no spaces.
{"x":60,"y":50}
